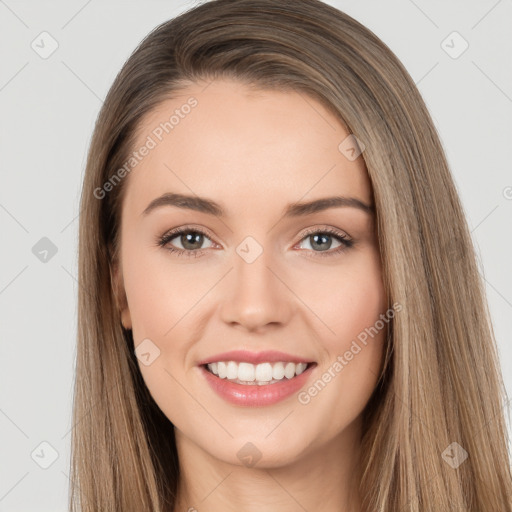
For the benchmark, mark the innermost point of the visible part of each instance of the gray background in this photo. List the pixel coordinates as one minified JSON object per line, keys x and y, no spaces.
{"x":48,"y":108}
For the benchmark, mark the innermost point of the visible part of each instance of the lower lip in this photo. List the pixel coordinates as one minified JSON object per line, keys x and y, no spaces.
{"x":256,"y":395}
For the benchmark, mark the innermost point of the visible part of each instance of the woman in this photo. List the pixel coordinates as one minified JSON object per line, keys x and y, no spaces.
{"x":227,"y":360}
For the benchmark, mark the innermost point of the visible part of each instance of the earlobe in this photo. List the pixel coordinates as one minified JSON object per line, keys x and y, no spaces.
{"x":121,"y":301}
{"x":126,"y":320}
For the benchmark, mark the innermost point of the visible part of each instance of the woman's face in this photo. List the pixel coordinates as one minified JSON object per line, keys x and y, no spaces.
{"x":277,"y":282}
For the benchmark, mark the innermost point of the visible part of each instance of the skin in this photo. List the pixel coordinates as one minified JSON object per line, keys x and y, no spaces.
{"x":254,"y":152}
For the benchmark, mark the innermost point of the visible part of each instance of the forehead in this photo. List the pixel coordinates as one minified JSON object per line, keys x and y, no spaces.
{"x":236,"y":144}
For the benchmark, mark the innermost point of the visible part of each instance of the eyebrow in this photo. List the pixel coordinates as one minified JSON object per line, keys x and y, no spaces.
{"x":208,"y":206}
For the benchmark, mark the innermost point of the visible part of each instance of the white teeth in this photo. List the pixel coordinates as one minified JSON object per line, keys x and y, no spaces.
{"x":264,"y":372}
{"x":300,"y":368}
{"x":232,"y":370}
{"x":278,"y":371}
{"x":246,"y":372}
{"x":222,"y":370}
{"x":289,"y":370}
{"x":260,"y":374}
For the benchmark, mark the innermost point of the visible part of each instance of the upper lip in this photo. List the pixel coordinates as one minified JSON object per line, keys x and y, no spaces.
{"x":266,"y":356}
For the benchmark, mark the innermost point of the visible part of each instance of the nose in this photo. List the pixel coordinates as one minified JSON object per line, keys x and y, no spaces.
{"x":257,"y":296}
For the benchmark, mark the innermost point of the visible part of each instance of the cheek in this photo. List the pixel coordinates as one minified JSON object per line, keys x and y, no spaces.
{"x":347,"y":299}
{"x":160,"y":293}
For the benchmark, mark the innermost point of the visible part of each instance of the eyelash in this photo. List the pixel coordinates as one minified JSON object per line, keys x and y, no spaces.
{"x":346,"y":242}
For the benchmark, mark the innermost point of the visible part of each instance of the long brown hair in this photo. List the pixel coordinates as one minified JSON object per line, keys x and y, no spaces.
{"x":441,"y":382}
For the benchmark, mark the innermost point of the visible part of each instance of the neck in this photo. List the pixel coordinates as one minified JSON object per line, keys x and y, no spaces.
{"x":325,"y":478}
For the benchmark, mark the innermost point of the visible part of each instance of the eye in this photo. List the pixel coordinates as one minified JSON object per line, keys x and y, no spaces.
{"x":322,"y":240}
{"x":190,"y":240}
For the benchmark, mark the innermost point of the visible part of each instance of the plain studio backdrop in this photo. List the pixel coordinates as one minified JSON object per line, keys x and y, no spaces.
{"x":58,"y":60}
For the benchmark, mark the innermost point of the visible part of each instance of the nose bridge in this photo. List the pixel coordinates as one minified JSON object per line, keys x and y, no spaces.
{"x":256,"y":296}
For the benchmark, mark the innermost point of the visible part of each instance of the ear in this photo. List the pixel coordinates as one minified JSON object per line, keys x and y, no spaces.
{"x":121,"y":301}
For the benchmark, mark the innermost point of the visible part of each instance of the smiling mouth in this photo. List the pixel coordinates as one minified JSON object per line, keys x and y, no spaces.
{"x":256,"y":374}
